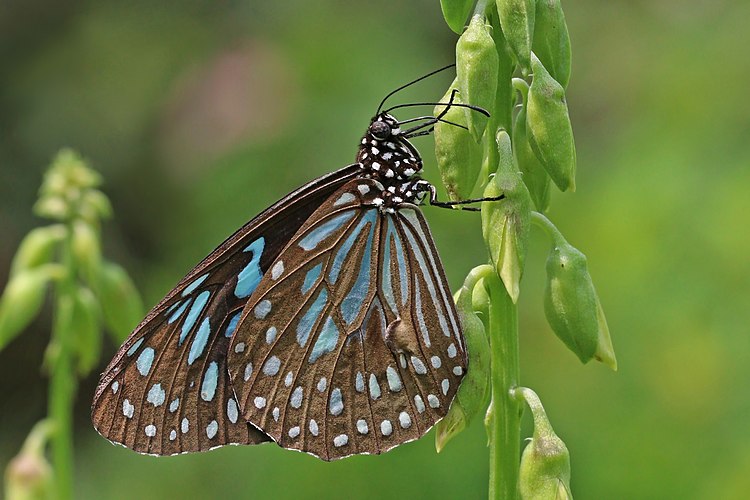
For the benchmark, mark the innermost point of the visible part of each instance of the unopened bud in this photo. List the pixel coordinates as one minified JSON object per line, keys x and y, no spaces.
{"x":22,"y":299}
{"x":545,"y":462}
{"x":551,"y":41}
{"x":121,"y":305}
{"x":476,"y":73}
{"x":534,"y":174}
{"x":28,"y":476}
{"x":548,"y":126}
{"x":85,"y":327}
{"x":517,"y":22}
{"x":505,"y":223}
{"x":87,"y":250}
{"x":37,"y":248}
{"x":459,"y":158}
{"x":455,"y":13}
{"x":572,"y":306}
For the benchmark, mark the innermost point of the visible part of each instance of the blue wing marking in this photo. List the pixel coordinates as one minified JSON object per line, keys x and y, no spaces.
{"x":324,"y":230}
{"x":192,"y":315}
{"x":199,"y":342}
{"x":232,"y":326}
{"x":311,"y":277}
{"x":352,"y":303}
{"x":343,"y":252}
{"x":195,"y":284}
{"x":327,"y":340}
{"x":305,"y":325}
{"x":249,"y":277}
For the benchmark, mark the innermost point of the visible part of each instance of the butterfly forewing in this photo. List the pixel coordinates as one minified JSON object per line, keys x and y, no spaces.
{"x":351,"y":343}
{"x":167,"y":390}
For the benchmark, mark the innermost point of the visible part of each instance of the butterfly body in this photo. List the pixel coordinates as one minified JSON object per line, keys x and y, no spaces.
{"x":325,"y":324}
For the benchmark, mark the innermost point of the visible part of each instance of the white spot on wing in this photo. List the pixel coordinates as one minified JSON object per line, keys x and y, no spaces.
{"x":386,"y":428}
{"x":404,"y":420}
{"x":362,"y":427}
{"x":340,"y":440}
{"x":277,"y":270}
{"x":259,"y":402}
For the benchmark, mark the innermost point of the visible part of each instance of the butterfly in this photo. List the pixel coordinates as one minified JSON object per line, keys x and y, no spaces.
{"x":325,"y":324}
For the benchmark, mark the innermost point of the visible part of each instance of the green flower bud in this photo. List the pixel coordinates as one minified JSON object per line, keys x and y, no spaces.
{"x":29,"y":475}
{"x":98,"y":202}
{"x":517,"y":23}
{"x":476,"y":73}
{"x":52,"y":207}
{"x":572,"y":306}
{"x":85,"y":326}
{"x":504,"y":96}
{"x":534,"y":174}
{"x":22,"y":299}
{"x":472,"y":395}
{"x":505,"y":223}
{"x":545,"y":462}
{"x":548,"y":127}
{"x":86,"y":250}
{"x":121,"y":305}
{"x":37,"y":248}
{"x":551,"y":41}
{"x":459,"y":158}
{"x":455,"y":13}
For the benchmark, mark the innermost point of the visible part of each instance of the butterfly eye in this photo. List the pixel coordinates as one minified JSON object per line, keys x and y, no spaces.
{"x":380,"y":130}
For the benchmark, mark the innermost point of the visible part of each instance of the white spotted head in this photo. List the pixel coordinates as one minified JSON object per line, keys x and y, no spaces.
{"x":386,"y":154}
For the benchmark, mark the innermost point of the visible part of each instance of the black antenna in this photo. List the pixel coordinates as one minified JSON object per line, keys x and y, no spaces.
{"x":402,"y":87}
{"x":450,"y":105}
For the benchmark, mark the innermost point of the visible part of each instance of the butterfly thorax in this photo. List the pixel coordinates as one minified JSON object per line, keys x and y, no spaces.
{"x":389,"y":158}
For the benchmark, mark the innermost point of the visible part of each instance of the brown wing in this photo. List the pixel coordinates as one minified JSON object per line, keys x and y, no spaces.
{"x":167,"y":390}
{"x":353,"y":345}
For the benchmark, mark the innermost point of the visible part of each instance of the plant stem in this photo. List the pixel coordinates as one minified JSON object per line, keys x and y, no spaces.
{"x":505,"y":431}
{"x":62,"y":387}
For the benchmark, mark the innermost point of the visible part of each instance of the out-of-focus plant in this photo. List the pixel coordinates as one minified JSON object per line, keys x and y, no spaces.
{"x":513,"y":59}
{"x":90,"y":294}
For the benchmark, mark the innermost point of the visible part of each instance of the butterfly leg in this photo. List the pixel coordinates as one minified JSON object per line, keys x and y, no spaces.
{"x":424,"y":186}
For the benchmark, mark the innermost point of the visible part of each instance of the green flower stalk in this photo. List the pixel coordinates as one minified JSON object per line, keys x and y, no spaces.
{"x":525,"y":148}
{"x":66,"y":256}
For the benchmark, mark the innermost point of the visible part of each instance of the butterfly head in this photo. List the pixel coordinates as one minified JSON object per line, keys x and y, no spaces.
{"x":385,"y":153}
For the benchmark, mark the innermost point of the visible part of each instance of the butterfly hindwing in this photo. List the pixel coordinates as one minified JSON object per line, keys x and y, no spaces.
{"x":167,"y":390}
{"x":351,"y":343}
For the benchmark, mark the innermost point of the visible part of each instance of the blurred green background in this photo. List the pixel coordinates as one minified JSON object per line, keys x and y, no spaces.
{"x":200,"y":114}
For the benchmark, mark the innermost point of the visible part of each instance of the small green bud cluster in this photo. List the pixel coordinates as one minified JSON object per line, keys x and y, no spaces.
{"x":90,"y":291}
